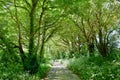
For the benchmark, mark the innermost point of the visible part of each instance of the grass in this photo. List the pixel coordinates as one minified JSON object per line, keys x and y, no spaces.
{"x":96,"y":67}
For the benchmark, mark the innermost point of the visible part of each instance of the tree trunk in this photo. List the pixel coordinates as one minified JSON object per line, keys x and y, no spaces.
{"x":102,"y":45}
{"x":91,"y":47}
{"x":31,"y":62}
{"x":42,"y":45}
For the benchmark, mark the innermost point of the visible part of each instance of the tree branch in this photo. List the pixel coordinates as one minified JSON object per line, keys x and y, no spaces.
{"x":22,"y":7}
{"x":28,"y":4}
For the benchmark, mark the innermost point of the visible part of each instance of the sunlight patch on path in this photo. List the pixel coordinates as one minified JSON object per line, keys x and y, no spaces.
{"x":60,"y":72}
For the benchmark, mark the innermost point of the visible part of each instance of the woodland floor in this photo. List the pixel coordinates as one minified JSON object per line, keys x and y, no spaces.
{"x":60,"y":72}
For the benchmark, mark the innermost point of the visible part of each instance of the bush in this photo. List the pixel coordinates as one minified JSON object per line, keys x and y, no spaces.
{"x":96,"y":67}
{"x":14,"y":71}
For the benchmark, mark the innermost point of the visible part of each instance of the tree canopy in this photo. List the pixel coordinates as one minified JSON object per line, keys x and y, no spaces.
{"x":33,"y":30}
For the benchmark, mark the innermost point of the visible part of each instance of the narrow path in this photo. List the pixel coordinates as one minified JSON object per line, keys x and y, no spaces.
{"x":60,"y":72}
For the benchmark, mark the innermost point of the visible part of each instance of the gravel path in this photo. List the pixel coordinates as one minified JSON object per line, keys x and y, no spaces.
{"x":60,"y":72}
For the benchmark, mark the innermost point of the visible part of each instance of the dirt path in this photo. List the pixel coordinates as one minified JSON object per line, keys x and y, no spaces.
{"x":60,"y":72}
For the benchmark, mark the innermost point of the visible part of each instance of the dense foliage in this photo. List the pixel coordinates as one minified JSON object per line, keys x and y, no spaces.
{"x":96,"y":67}
{"x":35,"y":31}
{"x":14,"y":71}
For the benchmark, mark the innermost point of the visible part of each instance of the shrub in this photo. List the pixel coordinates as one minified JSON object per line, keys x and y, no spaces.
{"x":14,"y":71}
{"x":96,"y":67}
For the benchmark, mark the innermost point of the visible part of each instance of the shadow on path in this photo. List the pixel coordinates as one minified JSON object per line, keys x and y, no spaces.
{"x":60,"y":72}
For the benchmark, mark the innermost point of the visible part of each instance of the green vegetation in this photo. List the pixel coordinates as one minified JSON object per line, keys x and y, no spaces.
{"x":97,"y":67}
{"x":35,"y":32}
{"x":14,"y":71}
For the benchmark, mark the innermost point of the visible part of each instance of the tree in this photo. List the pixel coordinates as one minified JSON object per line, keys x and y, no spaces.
{"x":82,"y":18}
{"x":106,"y":18}
{"x":34,"y":25}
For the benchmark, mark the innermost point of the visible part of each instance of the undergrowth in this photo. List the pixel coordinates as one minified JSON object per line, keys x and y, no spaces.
{"x":14,"y":71}
{"x":97,"y":67}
